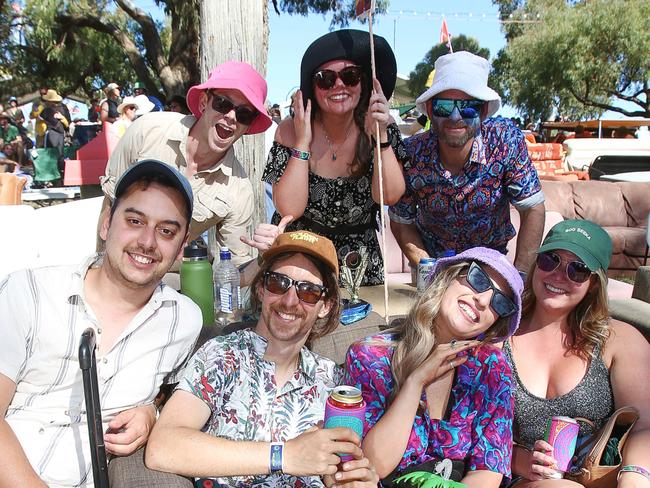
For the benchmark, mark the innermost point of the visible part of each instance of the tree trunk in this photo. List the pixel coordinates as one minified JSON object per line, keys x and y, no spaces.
{"x":237,"y":30}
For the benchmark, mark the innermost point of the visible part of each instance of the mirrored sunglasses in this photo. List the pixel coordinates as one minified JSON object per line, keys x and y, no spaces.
{"x":576,"y":271}
{"x":479,"y":280}
{"x":326,"y":78}
{"x":279,"y":284}
{"x":243,"y":113}
{"x":468,"y":109}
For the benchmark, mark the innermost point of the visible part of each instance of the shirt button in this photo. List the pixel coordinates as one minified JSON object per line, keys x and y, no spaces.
{"x":99,"y":331}
{"x":41,"y":430}
{"x":459,"y":197}
{"x":67,"y":412}
{"x":196,"y":177}
{"x":105,"y":360}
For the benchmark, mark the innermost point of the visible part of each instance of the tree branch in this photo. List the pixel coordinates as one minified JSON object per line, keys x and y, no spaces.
{"x":150,"y":36}
{"x":605,"y":106}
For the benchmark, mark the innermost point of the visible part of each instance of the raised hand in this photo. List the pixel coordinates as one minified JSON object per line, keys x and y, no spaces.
{"x":378,"y":111}
{"x":265,"y":234}
{"x":301,"y":121}
{"x":442,"y":359}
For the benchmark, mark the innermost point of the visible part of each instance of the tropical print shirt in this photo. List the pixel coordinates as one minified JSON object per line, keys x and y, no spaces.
{"x":471,"y":208}
{"x":478,"y":427}
{"x":230,"y":375}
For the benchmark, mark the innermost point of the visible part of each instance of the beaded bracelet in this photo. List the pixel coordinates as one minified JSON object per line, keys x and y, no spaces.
{"x":298,"y":154}
{"x":633,"y":468}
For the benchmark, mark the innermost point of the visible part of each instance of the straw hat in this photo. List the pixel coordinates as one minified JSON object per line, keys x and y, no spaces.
{"x":52,"y":96}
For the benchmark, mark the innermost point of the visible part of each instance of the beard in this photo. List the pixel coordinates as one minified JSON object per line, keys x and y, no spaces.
{"x":472,"y":126}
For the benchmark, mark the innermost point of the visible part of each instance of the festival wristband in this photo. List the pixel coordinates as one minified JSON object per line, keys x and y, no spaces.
{"x":275,"y":457}
{"x":382,"y":145}
{"x":633,"y":468}
{"x":298,"y":154}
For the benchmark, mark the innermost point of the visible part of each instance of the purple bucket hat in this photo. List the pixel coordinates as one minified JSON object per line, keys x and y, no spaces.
{"x":498,"y":262}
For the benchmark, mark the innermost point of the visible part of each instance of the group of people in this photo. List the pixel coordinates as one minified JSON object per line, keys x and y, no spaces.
{"x":486,"y":355}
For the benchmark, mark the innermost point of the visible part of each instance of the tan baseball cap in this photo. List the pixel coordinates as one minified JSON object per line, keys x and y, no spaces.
{"x":308,"y":243}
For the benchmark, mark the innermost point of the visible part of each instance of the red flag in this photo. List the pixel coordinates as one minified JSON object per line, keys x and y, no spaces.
{"x":444,"y":32}
{"x":361,"y":7}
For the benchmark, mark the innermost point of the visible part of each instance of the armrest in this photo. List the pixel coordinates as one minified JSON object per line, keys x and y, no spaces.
{"x":642,"y":284}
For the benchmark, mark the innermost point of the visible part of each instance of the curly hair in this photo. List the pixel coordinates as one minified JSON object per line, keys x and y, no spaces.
{"x":415,"y":337}
{"x":361,"y":162}
{"x":323,"y":326}
{"x":588,"y":321}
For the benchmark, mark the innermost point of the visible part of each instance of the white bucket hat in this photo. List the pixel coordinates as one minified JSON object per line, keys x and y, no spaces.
{"x":462,"y":71}
{"x":126,"y":102}
{"x":144,"y":105}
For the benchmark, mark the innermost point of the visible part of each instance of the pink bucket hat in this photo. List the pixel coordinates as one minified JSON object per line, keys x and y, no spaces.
{"x":234,"y":75}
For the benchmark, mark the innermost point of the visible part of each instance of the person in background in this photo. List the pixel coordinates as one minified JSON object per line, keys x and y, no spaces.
{"x":466,"y":171}
{"x":436,"y":387}
{"x":108,"y":112}
{"x":140,"y":89}
{"x":145,"y":331}
{"x":178,"y":104}
{"x":17,"y":115}
{"x":322,"y":164}
{"x":10,"y":134}
{"x":94,"y":110}
{"x":40,"y":128}
{"x":57,"y":119}
{"x":127,"y":110}
{"x":570,"y":358}
{"x":258,"y":391}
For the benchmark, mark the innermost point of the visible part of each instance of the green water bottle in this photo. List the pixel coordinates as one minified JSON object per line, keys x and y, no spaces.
{"x":196,"y":280}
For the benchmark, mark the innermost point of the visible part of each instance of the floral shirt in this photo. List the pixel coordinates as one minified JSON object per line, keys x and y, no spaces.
{"x":478,"y":430}
{"x":230,"y":375}
{"x":471,"y":208}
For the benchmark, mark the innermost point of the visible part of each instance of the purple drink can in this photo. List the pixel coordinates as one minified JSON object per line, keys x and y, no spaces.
{"x":345,"y":408}
{"x":562,"y":434}
{"x":425,"y":273}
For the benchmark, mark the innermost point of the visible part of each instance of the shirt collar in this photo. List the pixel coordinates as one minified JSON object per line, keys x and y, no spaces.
{"x":476,"y":154}
{"x":307,"y":362}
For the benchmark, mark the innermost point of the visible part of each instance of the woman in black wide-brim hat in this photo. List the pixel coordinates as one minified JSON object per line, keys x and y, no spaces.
{"x":322,"y":162}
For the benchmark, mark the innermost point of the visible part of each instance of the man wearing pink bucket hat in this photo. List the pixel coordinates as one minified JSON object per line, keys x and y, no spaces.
{"x":225,"y":107}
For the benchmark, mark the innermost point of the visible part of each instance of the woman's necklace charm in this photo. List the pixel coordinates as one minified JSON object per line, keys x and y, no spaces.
{"x":329,"y":142}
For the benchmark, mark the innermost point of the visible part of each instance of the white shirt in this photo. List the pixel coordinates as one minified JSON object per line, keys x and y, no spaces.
{"x":42,"y":316}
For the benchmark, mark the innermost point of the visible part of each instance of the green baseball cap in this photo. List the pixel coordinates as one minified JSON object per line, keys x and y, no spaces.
{"x":584,"y":238}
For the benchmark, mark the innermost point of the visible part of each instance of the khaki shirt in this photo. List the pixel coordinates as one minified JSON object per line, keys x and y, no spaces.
{"x":223,"y":194}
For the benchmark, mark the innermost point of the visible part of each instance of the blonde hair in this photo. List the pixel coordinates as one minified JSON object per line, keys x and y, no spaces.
{"x":415,"y":338}
{"x":589,"y":319}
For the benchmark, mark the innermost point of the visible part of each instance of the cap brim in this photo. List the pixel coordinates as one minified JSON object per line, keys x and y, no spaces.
{"x":332,"y":265}
{"x":592,"y":263}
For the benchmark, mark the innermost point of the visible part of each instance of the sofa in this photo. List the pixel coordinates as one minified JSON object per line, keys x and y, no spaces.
{"x":620,"y":208}
{"x":636,"y":310}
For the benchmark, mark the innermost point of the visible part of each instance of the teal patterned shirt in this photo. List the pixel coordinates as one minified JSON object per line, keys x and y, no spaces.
{"x":230,"y":375}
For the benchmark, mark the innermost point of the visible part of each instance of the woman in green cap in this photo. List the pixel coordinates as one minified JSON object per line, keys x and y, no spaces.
{"x":570,"y":358}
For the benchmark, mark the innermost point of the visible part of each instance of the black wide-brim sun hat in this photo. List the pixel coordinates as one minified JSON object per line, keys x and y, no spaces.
{"x":353,"y":45}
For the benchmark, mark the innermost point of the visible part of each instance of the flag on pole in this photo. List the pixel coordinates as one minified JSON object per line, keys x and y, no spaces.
{"x":445,"y":36}
{"x":362,"y":7}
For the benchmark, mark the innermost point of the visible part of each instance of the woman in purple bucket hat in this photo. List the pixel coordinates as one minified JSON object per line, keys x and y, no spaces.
{"x":437,"y":388}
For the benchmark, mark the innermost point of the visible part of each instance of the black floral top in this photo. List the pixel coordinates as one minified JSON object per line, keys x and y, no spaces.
{"x":341,"y":209}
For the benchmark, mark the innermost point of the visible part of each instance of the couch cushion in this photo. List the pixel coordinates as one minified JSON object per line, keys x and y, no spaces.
{"x":637,"y":200}
{"x":601,"y":202}
{"x":630,"y":240}
{"x":559,"y":198}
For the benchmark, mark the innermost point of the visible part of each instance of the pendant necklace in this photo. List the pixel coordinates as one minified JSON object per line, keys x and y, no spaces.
{"x":329,"y":142}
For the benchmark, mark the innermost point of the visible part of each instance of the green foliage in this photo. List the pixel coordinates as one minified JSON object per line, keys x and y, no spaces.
{"x":342,"y":10}
{"x":425,"y":479}
{"x":581,"y":60}
{"x":418,"y":77}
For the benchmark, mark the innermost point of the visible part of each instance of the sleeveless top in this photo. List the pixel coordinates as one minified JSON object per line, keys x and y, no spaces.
{"x":112,"y":108}
{"x":592,"y":399}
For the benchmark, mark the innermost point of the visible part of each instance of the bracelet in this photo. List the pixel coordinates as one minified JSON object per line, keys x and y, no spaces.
{"x":633,"y":468}
{"x":384,"y":145}
{"x":298,"y":154}
{"x":275,"y":457}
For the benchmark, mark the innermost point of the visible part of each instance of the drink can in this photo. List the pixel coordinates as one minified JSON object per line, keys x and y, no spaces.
{"x":562,"y":434}
{"x":345,"y":408}
{"x":425,"y":273}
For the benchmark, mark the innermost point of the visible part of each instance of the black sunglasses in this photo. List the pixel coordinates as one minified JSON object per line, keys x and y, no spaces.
{"x":468,"y":109}
{"x":326,"y":78}
{"x":479,"y":280}
{"x":279,"y":284}
{"x":576,"y":271}
{"x":243,"y":113}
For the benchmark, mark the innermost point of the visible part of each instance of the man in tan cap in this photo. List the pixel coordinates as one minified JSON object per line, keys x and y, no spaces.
{"x":246,"y":408}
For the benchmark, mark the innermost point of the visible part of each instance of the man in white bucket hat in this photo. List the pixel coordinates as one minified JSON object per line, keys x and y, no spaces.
{"x":466,"y":171}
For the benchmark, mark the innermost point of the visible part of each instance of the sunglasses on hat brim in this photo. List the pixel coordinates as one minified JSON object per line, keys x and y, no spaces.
{"x":326,"y":78}
{"x":468,"y":109}
{"x":576,"y":271}
{"x":279,"y":284}
{"x":243,"y":113}
{"x":479,"y":281}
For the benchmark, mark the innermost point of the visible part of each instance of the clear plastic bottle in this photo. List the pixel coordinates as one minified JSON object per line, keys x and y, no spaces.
{"x":227,"y":297}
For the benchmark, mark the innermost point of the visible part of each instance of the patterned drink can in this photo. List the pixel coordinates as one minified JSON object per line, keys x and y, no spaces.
{"x":425,"y":273}
{"x":562,"y":434}
{"x":345,"y":408}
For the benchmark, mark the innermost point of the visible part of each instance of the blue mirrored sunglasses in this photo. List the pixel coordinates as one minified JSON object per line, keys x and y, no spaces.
{"x":468,"y":109}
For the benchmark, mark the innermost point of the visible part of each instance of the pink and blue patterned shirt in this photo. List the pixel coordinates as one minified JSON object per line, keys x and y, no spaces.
{"x":478,"y":429}
{"x":471,"y":208}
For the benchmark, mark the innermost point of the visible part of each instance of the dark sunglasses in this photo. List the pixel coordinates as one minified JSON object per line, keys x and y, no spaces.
{"x":468,"y":109}
{"x":243,"y":113}
{"x":576,"y":271}
{"x":279,"y":284}
{"x":479,"y":280}
{"x":326,"y":78}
